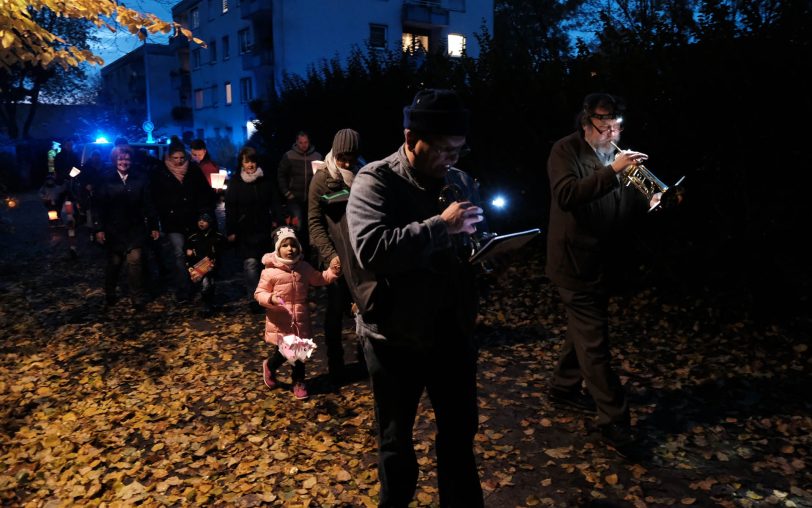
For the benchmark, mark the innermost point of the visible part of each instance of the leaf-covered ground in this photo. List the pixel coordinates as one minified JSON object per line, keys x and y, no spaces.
{"x":166,"y":408}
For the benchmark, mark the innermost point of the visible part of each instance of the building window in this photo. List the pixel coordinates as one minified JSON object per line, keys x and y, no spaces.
{"x":225,"y":6}
{"x":228,"y":93}
{"x":199,"y":98}
{"x":212,"y":52}
{"x":246,"y":90}
{"x":413,"y":42}
{"x":456,"y":44}
{"x":214,"y":96}
{"x":196,"y":58}
{"x":245,"y":40}
{"x":195,"y":15}
{"x":377,"y":36}
{"x":211,"y":10}
{"x":226,"y":54}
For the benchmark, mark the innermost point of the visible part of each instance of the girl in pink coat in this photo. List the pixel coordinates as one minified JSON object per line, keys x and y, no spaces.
{"x":282,"y":290}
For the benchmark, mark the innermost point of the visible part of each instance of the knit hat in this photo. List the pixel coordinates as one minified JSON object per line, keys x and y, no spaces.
{"x":437,"y":111}
{"x":206,"y":216}
{"x":281,"y":234}
{"x":345,"y":141}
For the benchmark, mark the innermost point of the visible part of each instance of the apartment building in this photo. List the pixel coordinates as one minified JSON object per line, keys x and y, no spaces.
{"x":135,"y":89}
{"x":251,"y":44}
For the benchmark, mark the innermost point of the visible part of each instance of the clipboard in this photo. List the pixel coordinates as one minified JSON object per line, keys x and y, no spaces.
{"x":503,"y":243}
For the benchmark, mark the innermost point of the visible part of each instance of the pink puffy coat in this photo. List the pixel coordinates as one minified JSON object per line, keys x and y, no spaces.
{"x":290,"y":283}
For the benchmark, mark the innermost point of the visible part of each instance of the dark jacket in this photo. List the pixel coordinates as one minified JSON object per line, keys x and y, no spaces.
{"x":124,"y":211}
{"x":64,"y":161}
{"x":326,"y":218}
{"x":249,"y":215}
{"x":588,"y":213}
{"x":411,"y":278}
{"x":179,"y":204}
{"x":203,"y":244}
{"x":295,"y":172}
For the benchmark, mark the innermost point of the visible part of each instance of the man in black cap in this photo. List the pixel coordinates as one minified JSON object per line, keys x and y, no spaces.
{"x":417,"y":299}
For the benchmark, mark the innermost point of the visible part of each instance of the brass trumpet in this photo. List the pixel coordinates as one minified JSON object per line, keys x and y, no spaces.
{"x":644,"y":180}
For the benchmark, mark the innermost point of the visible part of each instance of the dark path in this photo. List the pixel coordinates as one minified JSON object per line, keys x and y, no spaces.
{"x":167,"y":409}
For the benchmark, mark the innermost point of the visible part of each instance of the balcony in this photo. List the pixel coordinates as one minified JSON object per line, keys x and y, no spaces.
{"x":249,"y":9}
{"x":425,"y":13}
{"x":256,"y":58}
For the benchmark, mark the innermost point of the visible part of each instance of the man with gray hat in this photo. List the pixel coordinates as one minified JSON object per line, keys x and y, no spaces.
{"x":417,"y":298}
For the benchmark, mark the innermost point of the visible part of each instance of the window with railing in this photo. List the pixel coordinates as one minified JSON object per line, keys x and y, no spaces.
{"x":246,"y":90}
{"x":377,"y":36}
{"x":244,"y":37}
{"x":194,"y":14}
{"x":225,"y":6}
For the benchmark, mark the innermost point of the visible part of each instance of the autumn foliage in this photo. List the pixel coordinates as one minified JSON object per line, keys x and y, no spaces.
{"x":24,"y":41}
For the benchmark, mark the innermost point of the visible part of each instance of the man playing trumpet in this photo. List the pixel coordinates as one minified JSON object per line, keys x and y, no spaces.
{"x":590,"y":204}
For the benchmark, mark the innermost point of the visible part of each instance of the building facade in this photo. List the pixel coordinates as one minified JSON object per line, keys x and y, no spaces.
{"x":135,"y":89}
{"x":252,"y":44}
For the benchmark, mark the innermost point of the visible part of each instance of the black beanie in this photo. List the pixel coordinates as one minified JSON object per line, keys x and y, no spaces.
{"x":345,"y":141}
{"x":206,"y":216}
{"x":437,"y":111}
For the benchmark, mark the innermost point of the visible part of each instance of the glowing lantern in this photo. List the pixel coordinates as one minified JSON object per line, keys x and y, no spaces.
{"x":53,"y":215}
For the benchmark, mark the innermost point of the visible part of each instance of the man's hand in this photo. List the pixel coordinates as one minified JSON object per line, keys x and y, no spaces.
{"x":461,"y":217}
{"x":335,"y":265}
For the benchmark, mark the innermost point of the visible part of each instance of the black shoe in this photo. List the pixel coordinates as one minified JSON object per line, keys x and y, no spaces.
{"x":573,"y":400}
{"x":621,"y":437}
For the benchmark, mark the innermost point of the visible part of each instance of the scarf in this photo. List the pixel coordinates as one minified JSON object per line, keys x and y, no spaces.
{"x":289,"y":262}
{"x":179,"y":170}
{"x":250,"y":178}
{"x":347,"y":175}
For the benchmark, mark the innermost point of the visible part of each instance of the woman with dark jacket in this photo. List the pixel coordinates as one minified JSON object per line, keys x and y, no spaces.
{"x":180,"y":192}
{"x":124,"y":217}
{"x":249,"y":217}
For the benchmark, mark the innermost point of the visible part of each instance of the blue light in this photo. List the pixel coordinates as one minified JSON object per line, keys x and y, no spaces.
{"x":499,"y":202}
{"x":101,"y":139}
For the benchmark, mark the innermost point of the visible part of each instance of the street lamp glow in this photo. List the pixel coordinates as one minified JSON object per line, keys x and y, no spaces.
{"x":101,"y":140}
{"x":499,"y":202}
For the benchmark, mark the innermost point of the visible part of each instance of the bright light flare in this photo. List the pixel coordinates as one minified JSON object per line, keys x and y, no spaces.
{"x":499,"y":202}
{"x":101,"y":140}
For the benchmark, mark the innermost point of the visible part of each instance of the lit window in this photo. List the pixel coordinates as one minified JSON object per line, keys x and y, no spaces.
{"x":456,"y":44}
{"x":377,"y":36}
{"x":226,"y":51}
{"x":199,"y":98}
{"x":225,"y":6}
{"x":195,"y":15}
{"x":415,"y":42}
{"x":245,"y":40}
{"x":228,"y":93}
{"x":246,"y":90}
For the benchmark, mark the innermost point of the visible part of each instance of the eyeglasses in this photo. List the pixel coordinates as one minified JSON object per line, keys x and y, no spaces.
{"x":446,"y":151}
{"x":607,"y":128}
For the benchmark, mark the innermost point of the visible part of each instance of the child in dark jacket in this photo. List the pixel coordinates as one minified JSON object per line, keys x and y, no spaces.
{"x":204,"y":245}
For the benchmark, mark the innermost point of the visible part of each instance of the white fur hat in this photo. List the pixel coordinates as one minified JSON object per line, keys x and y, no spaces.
{"x":281,"y":234}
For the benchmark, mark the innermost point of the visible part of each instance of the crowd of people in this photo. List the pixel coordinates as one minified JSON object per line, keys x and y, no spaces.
{"x":381,"y":240}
